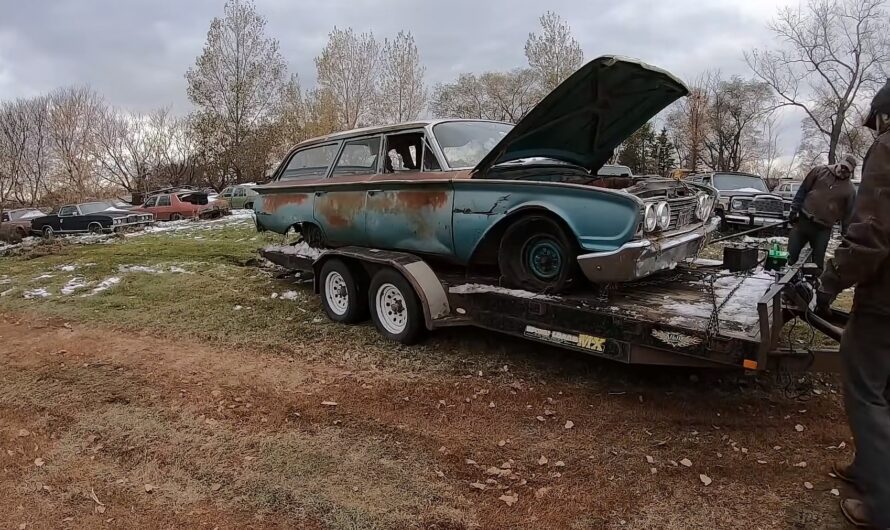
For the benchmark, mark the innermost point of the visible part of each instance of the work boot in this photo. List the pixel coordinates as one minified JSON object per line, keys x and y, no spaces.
{"x":854,"y":511}
{"x":844,"y":472}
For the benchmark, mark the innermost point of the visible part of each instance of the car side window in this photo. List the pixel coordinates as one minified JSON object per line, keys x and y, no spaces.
{"x":5,"y":217}
{"x":409,"y":152}
{"x":238,"y":192}
{"x":67,"y":211}
{"x":164,"y":200}
{"x":359,"y":157}
{"x":150,"y":202}
{"x":226,"y":192}
{"x":311,"y":163}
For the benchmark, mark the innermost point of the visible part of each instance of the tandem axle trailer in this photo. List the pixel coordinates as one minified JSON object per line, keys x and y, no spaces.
{"x":695,"y":315}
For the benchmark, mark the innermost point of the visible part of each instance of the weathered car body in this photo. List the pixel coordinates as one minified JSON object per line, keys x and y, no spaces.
{"x":456,"y":189}
{"x":185,"y":204}
{"x":16,"y":224}
{"x":787,"y":189}
{"x":240,"y":196}
{"x":745,"y":200}
{"x":90,"y":217}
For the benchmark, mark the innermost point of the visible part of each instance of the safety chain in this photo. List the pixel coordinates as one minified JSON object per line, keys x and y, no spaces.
{"x":713,"y":327}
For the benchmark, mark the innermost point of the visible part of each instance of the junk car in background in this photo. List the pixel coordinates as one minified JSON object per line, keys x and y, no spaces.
{"x":89,"y":217}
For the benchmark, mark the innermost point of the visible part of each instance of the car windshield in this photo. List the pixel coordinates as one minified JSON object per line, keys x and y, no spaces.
{"x":739,"y":183}
{"x":25,"y":214}
{"x":465,"y":143}
{"x":94,"y":207}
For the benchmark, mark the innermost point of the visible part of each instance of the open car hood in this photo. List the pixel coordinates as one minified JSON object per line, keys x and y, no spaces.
{"x":583,"y":119}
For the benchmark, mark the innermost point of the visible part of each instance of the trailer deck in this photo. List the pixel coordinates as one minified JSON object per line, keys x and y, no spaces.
{"x":695,"y":315}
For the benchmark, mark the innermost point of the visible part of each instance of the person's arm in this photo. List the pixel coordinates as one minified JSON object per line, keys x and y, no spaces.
{"x":866,"y":244}
{"x":801,"y":195}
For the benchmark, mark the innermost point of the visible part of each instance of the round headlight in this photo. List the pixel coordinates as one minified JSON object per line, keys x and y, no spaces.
{"x":650,"y":219}
{"x":663,"y":212}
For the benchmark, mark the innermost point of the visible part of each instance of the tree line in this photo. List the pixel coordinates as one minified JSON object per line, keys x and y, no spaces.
{"x":827,"y":58}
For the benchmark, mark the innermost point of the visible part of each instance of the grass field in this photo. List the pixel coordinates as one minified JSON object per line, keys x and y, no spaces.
{"x":200,"y":390}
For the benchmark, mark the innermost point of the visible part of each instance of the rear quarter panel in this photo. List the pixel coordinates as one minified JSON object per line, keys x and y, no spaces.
{"x":279,"y":210}
{"x":600,"y":220}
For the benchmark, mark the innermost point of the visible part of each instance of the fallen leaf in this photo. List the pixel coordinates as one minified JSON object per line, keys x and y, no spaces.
{"x":799,"y":428}
{"x":329,"y":403}
{"x":542,"y":461}
{"x":23,"y":432}
{"x":440,"y":474}
{"x":560,"y":463}
{"x":470,"y":462}
{"x":502,"y":443}
{"x":686,"y":462}
{"x":706,"y":480}
{"x":653,"y":470}
{"x":761,"y":461}
{"x":541,"y":492}
{"x":800,"y":464}
{"x":38,"y":462}
{"x":215,"y":487}
{"x":540,"y":418}
{"x":649,"y":459}
{"x":95,"y":498}
{"x":510,"y":500}
{"x":477,"y":485}
{"x":808,"y":485}
{"x":569,"y":424}
{"x":835,"y":492}
{"x":100,"y":509}
{"x":491,"y":404}
{"x":149,"y":488}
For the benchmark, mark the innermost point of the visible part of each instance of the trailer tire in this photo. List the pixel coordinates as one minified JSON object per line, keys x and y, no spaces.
{"x":395,"y":308}
{"x":342,"y":293}
{"x":536,"y":254}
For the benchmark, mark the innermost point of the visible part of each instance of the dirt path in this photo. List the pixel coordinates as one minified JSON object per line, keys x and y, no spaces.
{"x":235,"y":439}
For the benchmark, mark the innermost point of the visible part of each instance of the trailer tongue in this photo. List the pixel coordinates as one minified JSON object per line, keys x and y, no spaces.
{"x":695,"y":315}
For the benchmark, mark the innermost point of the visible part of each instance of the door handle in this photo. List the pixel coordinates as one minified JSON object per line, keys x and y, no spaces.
{"x":374,"y":192}
{"x":319,"y":193}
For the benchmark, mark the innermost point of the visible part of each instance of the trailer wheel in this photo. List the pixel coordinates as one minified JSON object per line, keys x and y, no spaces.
{"x":395,"y":308}
{"x":342,"y":293}
{"x":536,"y":254}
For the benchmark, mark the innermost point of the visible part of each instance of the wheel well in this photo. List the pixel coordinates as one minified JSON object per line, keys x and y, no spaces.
{"x":486,"y":252}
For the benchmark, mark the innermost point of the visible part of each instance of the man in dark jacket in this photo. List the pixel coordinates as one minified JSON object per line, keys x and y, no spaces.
{"x":863,"y":260}
{"x":824,"y":198}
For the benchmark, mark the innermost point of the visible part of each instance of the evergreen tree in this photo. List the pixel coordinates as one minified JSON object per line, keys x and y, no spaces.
{"x":636,"y":152}
{"x":663,"y":154}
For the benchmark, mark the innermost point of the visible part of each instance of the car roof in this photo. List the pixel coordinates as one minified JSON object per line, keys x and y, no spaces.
{"x":364,"y":131}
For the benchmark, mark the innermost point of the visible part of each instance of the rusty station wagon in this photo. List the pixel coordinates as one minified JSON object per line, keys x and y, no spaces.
{"x":525,"y":197}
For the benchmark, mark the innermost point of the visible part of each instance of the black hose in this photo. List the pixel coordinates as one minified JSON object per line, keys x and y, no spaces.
{"x":746,"y":232}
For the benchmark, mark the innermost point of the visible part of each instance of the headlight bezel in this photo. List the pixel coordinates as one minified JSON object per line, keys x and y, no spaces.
{"x":663,"y":215}
{"x":650,"y":218}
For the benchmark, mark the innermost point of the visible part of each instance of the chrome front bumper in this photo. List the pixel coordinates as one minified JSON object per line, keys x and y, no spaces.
{"x":638,"y":259}
{"x":752,"y":220}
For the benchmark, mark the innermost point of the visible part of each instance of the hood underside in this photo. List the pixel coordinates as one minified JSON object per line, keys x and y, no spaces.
{"x":583,"y":119}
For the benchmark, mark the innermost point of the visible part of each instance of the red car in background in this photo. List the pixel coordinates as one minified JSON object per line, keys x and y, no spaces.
{"x":187,"y":204}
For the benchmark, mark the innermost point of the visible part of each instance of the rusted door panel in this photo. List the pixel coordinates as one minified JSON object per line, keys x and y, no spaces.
{"x":341,"y":215}
{"x":414,"y":217}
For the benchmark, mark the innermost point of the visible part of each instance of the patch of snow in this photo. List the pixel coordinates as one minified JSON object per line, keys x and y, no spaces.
{"x":137,"y":268}
{"x":6,"y":292}
{"x":36,"y":293}
{"x":104,"y":285}
{"x":289,"y":295}
{"x":67,"y":268}
{"x":5,"y":280}
{"x":300,"y":249}
{"x":751,"y":190}
{"x":41,"y":277}
{"x":175,"y":269}
{"x":476,"y":288}
{"x":740,"y":309}
{"x":73,"y":285}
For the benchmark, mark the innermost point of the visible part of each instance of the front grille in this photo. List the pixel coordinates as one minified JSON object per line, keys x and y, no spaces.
{"x":768,"y":205}
{"x":132,"y":218}
{"x":682,"y":209}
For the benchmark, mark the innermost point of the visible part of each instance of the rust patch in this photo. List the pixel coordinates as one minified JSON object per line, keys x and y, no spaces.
{"x":341,"y":207}
{"x":415,"y":200}
{"x":271,"y":203}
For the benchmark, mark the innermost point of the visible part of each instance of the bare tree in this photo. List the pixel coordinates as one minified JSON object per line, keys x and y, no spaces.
{"x":322,"y":116}
{"x":502,"y":96}
{"x":13,"y":143}
{"x":124,"y":149}
{"x":347,"y":70}
{"x":74,"y":115}
{"x":736,"y":112}
{"x":831,"y":52}
{"x":174,"y":150}
{"x":236,"y":84}
{"x":554,"y":54}
{"x":402,"y":92}
{"x":38,"y":163}
{"x":687,"y":123}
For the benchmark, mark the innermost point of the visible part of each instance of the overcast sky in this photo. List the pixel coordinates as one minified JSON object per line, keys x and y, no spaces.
{"x":136,"y":52}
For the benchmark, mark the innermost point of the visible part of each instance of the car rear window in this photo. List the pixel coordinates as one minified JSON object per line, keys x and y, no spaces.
{"x":310,"y":163}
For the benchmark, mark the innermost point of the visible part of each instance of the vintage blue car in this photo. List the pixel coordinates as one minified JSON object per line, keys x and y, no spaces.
{"x":527,"y":198}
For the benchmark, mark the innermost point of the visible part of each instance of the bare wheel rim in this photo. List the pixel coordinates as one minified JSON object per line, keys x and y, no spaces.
{"x":335,"y":293}
{"x":391,"y":308}
{"x":48,"y":231}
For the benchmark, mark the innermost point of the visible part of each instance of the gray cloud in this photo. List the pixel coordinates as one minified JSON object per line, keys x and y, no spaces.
{"x":135,"y":52}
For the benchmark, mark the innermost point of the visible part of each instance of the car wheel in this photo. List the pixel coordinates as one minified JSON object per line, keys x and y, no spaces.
{"x":95,"y":228}
{"x":312,"y":235}
{"x":21,"y":233}
{"x":248,"y":206}
{"x":342,"y":295}
{"x":395,"y":309}
{"x":176,"y":217}
{"x":536,"y":254}
{"x":48,"y":232}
